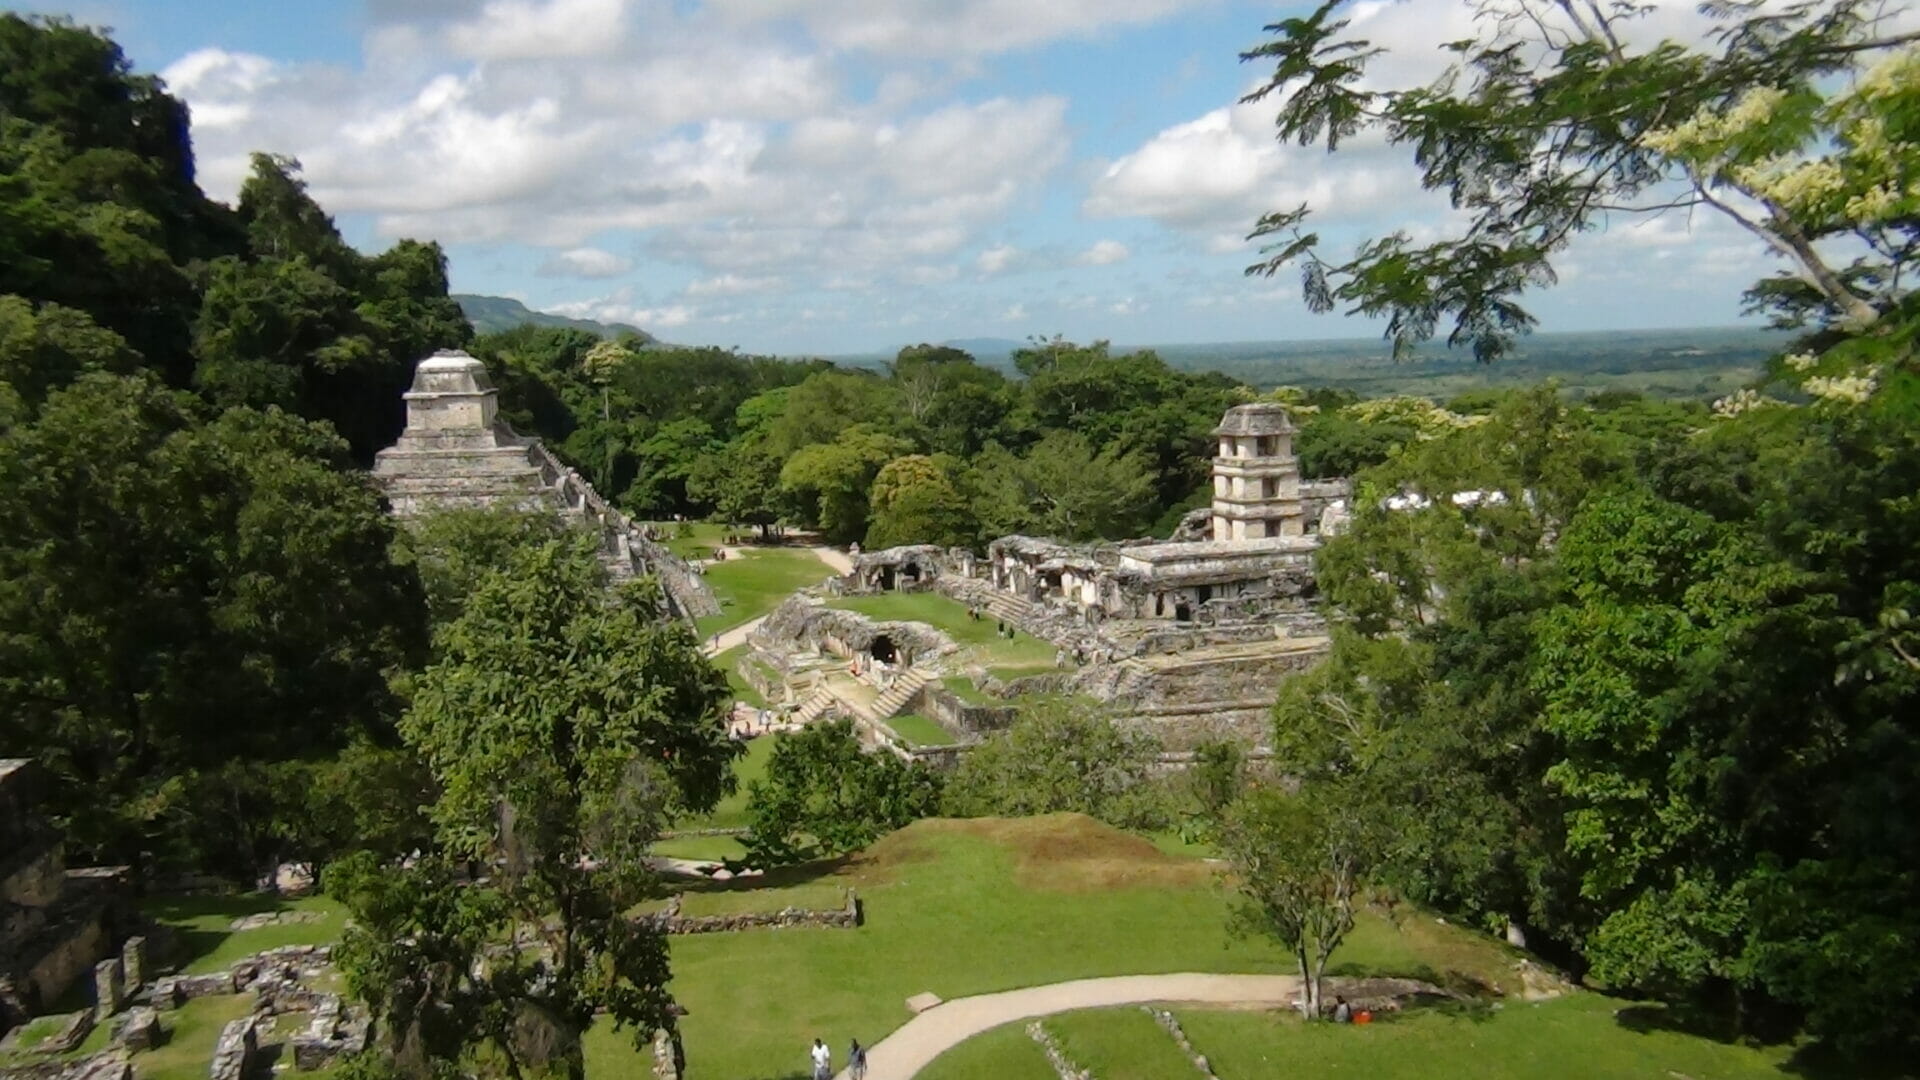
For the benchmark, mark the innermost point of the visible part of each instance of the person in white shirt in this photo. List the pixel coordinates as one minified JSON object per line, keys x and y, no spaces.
{"x":822,"y":1061}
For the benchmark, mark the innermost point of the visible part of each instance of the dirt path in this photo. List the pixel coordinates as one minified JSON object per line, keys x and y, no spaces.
{"x":914,"y":1045}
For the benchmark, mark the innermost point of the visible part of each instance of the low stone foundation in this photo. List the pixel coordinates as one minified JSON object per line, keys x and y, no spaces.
{"x":671,"y":921}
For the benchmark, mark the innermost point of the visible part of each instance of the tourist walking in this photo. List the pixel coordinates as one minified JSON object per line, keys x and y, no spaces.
{"x":822,"y":1061}
{"x":857,"y":1061}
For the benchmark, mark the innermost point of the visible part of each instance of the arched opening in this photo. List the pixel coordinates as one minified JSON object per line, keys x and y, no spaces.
{"x":883,"y":649}
{"x":1183,"y":612}
{"x":910,"y":573}
{"x":886,"y":579}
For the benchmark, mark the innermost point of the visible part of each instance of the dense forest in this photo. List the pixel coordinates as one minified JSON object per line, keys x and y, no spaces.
{"x":1655,"y":707}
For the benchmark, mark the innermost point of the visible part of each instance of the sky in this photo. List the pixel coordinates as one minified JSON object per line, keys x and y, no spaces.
{"x":849,"y":176}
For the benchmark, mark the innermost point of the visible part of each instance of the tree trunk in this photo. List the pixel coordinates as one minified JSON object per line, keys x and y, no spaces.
{"x":1309,"y":986}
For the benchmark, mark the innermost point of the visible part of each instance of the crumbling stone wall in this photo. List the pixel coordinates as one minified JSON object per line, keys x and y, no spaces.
{"x":805,"y":623}
{"x":670,"y":920}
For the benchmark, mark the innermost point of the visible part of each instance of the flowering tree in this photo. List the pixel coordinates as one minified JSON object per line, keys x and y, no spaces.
{"x":1800,"y":121}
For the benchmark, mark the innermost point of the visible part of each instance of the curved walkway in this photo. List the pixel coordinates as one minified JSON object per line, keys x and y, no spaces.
{"x":915,"y":1044}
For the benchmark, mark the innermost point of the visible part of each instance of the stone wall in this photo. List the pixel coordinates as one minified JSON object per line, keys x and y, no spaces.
{"x":806,"y":623}
{"x":950,"y":711}
{"x":670,"y":920}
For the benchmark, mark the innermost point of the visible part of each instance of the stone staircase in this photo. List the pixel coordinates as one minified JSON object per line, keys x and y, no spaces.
{"x":815,"y":706}
{"x":888,"y":705}
{"x":1002,"y":606}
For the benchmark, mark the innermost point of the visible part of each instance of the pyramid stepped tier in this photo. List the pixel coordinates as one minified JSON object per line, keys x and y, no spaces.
{"x":457,"y":453}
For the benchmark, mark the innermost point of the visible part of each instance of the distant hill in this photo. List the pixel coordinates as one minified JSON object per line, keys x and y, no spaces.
{"x":492,"y":314}
{"x":986,"y":349}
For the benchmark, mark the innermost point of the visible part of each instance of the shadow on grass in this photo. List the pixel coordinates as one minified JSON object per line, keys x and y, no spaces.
{"x":1453,"y":984}
{"x":779,"y":877}
{"x":1814,"y":1060}
{"x":200,"y":924}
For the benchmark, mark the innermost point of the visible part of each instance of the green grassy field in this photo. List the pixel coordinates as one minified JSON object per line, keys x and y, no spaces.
{"x":1023,"y":655}
{"x":690,"y":539}
{"x":1005,"y":1053}
{"x":968,"y":907}
{"x":729,"y":664}
{"x":1577,"y":1037}
{"x":1120,"y":1044}
{"x":920,"y":731}
{"x":192,"y":1030}
{"x":963,"y":688}
{"x":207,"y":942}
{"x":1582,"y":1036}
{"x":754,"y":583}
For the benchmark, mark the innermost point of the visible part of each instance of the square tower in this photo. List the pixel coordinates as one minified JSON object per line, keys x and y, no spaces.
{"x":1256,"y":477}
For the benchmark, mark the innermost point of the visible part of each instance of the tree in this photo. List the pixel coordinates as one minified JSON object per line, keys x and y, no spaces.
{"x":741,"y":483}
{"x":1064,"y":488}
{"x":42,"y":350}
{"x":309,"y":324}
{"x":830,"y":481}
{"x":1059,"y":757}
{"x":1552,"y":118}
{"x":1299,"y":863}
{"x":563,"y":726}
{"x":178,"y":597}
{"x":824,"y":795}
{"x":915,"y":502}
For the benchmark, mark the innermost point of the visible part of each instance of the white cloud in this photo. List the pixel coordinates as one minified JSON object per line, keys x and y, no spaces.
{"x":585,"y":262}
{"x":996,"y":259}
{"x":1103,"y":253}
{"x":1214,"y":176}
{"x":733,"y":285}
{"x":533,"y":29}
{"x":941,"y":28}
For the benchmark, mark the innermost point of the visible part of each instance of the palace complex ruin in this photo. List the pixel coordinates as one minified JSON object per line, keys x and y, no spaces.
{"x":1188,"y":635}
{"x":56,"y":922}
{"x":456,"y":452}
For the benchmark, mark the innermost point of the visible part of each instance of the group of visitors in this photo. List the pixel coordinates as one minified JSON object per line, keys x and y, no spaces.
{"x":823,"y":1061}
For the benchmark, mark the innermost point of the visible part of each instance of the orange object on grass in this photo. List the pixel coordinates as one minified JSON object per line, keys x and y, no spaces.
{"x":1363,"y":1017}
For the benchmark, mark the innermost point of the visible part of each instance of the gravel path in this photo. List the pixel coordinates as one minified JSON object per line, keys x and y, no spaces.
{"x":914,"y":1045}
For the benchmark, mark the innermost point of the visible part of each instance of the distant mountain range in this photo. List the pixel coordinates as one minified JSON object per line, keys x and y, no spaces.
{"x":985,"y":349}
{"x":492,"y":314}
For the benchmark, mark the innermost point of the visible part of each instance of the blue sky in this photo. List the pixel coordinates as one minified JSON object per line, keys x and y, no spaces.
{"x":837,"y":176}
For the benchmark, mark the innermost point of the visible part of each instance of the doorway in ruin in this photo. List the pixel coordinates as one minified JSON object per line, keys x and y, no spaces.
{"x":1183,"y":612}
{"x":910,"y":574}
{"x":886,"y":579}
{"x":883,"y":649}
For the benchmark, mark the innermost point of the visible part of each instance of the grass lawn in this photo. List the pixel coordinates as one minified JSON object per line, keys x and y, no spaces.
{"x":192,"y":1029}
{"x":1023,"y":655}
{"x":715,"y":848}
{"x":755,"y":583}
{"x":968,"y":907}
{"x":962,"y":687}
{"x":1573,"y":1038}
{"x":732,"y":811}
{"x":729,"y":664}
{"x":690,"y":539}
{"x":1005,"y":1053}
{"x":208,"y":944}
{"x":1120,"y":1044}
{"x":920,"y":731}
{"x":725,"y":898}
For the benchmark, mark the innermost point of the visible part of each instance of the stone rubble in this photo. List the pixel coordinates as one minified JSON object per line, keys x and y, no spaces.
{"x":1171,"y":1024}
{"x":1062,"y":1064}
